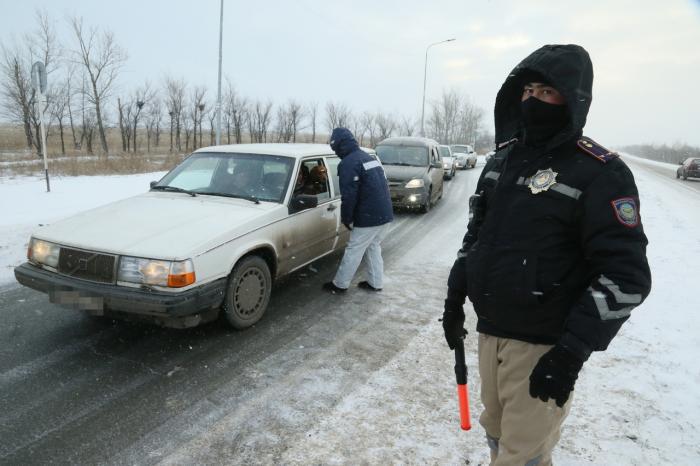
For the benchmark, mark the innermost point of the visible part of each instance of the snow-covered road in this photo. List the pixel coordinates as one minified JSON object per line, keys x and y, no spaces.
{"x":357,"y":379}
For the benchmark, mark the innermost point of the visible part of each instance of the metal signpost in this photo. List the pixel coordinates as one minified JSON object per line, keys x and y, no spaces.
{"x":39,"y":83}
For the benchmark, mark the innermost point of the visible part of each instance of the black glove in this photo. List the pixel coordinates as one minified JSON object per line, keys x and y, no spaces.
{"x":348,"y":225}
{"x":554,"y":375}
{"x":453,"y":324}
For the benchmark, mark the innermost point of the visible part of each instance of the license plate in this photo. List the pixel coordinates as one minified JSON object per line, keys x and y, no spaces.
{"x":77,"y":300}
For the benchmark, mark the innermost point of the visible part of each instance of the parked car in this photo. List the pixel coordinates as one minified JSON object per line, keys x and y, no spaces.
{"x":690,"y":167}
{"x":449,"y":163}
{"x":210,"y":237}
{"x":465,"y":154}
{"x":413,"y":167}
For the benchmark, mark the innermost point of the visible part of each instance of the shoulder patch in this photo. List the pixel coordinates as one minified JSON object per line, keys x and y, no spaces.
{"x":592,"y":148}
{"x":504,"y":144}
{"x":626,"y":211}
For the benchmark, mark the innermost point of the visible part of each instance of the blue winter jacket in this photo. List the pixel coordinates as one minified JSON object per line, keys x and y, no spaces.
{"x":365,"y":197}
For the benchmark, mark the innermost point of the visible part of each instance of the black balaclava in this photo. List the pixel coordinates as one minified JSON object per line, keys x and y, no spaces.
{"x":541,"y":120}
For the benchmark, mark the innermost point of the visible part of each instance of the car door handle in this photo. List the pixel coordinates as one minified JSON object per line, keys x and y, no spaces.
{"x":332,"y":207}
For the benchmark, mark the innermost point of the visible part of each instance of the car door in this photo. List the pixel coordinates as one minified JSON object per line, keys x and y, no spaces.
{"x":311,"y":232}
{"x":343,"y":234}
{"x":435,"y":173}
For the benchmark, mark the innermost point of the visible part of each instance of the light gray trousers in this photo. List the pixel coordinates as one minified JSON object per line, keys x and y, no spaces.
{"x":364,"y":242}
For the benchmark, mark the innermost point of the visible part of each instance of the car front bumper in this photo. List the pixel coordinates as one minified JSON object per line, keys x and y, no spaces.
{"x":408,"y":198}
{"x":99,"y":298}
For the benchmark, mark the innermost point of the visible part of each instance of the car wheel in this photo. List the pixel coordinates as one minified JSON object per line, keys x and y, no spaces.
{"x":678,"y":175}
{"x":685,"y":176}
{"x":426,"y":207}
{"x":248,"y":292}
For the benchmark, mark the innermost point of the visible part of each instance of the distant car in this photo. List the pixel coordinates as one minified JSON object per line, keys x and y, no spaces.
{"x":690,"y":167}
{"x":413,"y":167}
{"x":449,"y":163}
{"x":466,"y":157}
{"x":208,"y":238}
{"x":489,"y":156}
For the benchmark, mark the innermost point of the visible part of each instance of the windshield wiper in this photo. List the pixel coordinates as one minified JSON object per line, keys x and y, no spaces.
{"x":174,"y":189}
{"x":237,"y":196}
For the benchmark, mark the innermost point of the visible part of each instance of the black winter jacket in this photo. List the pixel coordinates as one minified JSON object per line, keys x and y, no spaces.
{"x":566,"y":264}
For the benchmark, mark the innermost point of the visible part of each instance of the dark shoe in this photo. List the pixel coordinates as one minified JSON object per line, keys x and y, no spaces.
{"x":366,"y":286}
{"x":330,"y":286}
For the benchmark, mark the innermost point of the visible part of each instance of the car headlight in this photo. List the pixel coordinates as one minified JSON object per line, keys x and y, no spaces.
{"x":43,"y":252}
{"x":445,"y":165}
{"x":173,"y":274}
{"x":418,"y":183}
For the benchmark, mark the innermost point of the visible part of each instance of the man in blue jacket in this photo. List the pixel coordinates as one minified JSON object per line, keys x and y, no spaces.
{"x":365,"y":210}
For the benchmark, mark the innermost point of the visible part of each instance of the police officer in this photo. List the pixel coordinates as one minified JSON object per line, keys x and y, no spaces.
{"x":554,"y":258}
{"x":365,"y":210}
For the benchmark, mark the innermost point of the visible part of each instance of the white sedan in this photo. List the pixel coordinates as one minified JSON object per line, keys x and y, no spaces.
{"x":209,"y":237}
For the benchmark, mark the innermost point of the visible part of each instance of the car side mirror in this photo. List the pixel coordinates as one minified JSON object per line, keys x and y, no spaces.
{"x":153,"y":183}
{"x":302,"y":202}
{"x":436,"y":165}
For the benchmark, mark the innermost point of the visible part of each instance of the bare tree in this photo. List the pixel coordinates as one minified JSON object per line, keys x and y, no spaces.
{"x":407,"y":126}
{"x":312,"y":111}
{"x":236,"y":113}
{"x":153,"y":119}
{"x":259,"y":120}
{"x":337,"y":115}
{"x":175,"y":102}
{"x":102,"y":58}
{"x":58,"y":108}
{"x":196,"y":110}
{"x":19,"y":100}
{"x":386,"y":124}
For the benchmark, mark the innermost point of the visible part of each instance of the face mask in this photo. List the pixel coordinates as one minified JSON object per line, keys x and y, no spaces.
{"x":542,"y":120}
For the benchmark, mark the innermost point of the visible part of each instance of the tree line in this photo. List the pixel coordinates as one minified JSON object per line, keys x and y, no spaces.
{"x":84,"y":99}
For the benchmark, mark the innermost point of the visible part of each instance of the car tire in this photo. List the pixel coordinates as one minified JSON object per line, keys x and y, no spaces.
{"x":678,"y":175}
{"x":426,"y":207}
{"x":248,"y":292}
{"x":685,"y":176}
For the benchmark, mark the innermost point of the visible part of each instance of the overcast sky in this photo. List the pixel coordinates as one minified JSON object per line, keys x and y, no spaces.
{"x":370,"y":54}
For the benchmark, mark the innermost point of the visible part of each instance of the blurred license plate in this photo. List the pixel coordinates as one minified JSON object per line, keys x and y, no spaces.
{"x":77,"y":300}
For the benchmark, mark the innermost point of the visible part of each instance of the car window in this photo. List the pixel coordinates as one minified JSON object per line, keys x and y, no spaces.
{"x":445,"y":151}
{"x":259,"y":176}
{"x":436,"y":155}
{"x":403,"y":155}
{"x":333,"y":163}
{"x":312,"y":179}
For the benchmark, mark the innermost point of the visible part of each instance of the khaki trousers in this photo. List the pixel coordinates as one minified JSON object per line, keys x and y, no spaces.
{"x":520,"y":430}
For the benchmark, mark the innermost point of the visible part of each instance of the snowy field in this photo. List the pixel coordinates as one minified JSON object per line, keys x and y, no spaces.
{"x":635,"y":404}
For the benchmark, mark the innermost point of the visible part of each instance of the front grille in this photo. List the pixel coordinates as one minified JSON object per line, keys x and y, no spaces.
{"x":86,"y":265}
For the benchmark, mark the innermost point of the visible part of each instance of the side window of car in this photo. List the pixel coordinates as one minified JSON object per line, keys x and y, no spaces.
{"x":312,"y":179}
{"x":333,"y":163}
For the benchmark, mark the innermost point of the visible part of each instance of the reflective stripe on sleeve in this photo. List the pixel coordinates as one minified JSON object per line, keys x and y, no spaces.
{"x":372,"y":164}
{"x":492,"y":175}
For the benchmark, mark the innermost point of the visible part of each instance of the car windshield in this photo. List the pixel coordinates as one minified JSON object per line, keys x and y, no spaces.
{"x":461,"y":149}
{"x":445,"y":151}
{"x":256,"y":177}
{"x":403,"y":155}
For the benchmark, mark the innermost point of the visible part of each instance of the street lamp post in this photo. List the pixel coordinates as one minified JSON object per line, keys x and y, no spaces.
{"x":425,"y":75}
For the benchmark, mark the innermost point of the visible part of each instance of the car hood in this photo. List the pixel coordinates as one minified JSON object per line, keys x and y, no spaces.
{"x":403,"y":173}
{"x":160,"y":225}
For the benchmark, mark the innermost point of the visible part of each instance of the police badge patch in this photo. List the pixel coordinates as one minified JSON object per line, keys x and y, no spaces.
{"x":626,"y":211}
{"x":542,"y":180}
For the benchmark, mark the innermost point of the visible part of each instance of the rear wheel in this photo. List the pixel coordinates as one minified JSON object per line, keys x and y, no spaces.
{"x":248,"y":292}
{"x":685,"y":176}
{"x":678,"y":175}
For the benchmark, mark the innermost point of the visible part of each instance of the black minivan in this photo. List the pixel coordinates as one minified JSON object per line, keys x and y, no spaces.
{"x":413,"y":167}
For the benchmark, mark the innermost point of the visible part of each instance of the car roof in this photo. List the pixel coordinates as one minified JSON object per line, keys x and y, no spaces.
{"x":283,"y":149}
{"x":408,"y":141}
